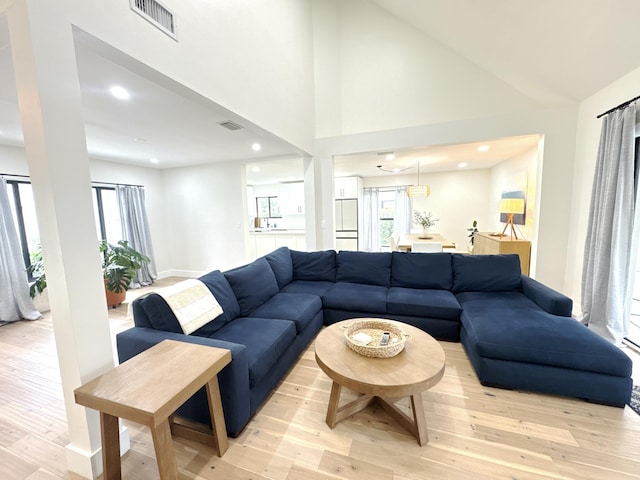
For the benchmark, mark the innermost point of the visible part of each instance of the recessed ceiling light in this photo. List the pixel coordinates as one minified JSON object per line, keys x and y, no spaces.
{"x":390,"y":156}
{"x":140,"y":140}
{"x":256,"y":147}
{"x":462,"y":165}
{"x":120,"y":93}
{"x":154,"y":160}
{"x":483,"y":148}
{"x":255,"y":169}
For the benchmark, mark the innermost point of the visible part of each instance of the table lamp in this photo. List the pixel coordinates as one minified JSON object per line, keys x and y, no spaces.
{"x":511,"y":206}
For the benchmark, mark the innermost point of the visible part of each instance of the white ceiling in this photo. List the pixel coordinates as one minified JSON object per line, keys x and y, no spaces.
{"x":553,"y":51}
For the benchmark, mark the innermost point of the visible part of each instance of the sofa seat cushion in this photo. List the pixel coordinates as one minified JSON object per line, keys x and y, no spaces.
{"x":423,"y":303}
{"x":252,"y":284}
{"x":265,"y":340}
{"x":307,"y":286}
{"x":300,"y":308}
{"x":419,"y":270}
{"x":356,"y":297}
{"x":509,"y":326}
{"x":486,"y":273}
{"x":370,"y":268}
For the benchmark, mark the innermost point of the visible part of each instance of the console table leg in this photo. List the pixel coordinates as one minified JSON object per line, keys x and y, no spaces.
{"x":110,"y":433}
{"x":217,"y":416}
{"x":165,"y":453}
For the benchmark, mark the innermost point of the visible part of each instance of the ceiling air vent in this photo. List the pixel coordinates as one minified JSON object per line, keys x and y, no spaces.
{"x":157,"y":14}
{"x":229,"y":125}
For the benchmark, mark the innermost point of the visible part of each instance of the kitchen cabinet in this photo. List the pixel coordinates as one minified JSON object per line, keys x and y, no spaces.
{"x":485,"y":243}
{"x":291,"y":198}
{"x":263,"y":243}
{"x":346,"y":187}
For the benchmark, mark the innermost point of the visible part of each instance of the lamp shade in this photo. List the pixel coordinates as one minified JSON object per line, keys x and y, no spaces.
{"x":418,"y":191}
{"x":512,"y":205}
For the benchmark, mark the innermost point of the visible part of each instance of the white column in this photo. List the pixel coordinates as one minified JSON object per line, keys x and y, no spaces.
{"x":318,"y":186}
{"x":51,"y":111}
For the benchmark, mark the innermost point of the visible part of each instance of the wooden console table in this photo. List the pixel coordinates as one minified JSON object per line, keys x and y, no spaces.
{"x":485,"y":243}
{"x":148,"y":389}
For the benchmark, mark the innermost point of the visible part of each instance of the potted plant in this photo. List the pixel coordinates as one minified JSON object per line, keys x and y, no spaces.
{"x":472,"y":230}
{"x":425,"y":220}
{"x":119,"y":265}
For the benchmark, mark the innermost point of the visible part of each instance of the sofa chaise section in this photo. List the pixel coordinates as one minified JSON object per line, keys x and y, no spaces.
{"x":519,"y":334}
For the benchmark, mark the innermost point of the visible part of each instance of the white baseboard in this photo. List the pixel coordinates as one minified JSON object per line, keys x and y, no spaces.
{"x":89,"y":464}
{"x":181,"y":273}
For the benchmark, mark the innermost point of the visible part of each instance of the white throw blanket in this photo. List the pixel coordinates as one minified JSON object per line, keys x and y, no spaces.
{"x":192,"y":303}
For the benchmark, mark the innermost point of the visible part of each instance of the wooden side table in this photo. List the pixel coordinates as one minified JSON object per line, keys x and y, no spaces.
{"x":148,"y":389}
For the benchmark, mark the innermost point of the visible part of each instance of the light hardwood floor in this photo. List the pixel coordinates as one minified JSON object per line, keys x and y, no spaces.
{"x":475,"y":432}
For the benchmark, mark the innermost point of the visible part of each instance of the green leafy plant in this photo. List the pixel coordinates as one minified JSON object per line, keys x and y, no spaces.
{"x":119,"y":264}
{"x":36,"y":271}
{"x":424,"y":219}
{"x":472,"y":230}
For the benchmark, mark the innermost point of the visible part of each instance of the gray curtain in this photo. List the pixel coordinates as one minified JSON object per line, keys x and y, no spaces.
{"x":609,"y":255}
{"x":135,"y":230}
{"x":371,"y":220}
{"x":402,"y":212}
{"x":15,"y":303}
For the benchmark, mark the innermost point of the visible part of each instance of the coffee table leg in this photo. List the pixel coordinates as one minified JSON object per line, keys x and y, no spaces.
{"x":334,"y":401}
{"x":217,"y":416}
{"x":419,"y":419}
{"x":165,"y":454}
{"x":110,"y":433}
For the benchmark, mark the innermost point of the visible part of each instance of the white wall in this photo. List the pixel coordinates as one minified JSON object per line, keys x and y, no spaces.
{"x":252,"y":57}
{"x":205,"y":208}
{"x":587,"y":140}
{"x":457,"y":199}
{"x":392,"y":75}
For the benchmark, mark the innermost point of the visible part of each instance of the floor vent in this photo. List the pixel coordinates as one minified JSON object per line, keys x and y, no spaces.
{"x":229,"y":125}
{"x":157,"y":14}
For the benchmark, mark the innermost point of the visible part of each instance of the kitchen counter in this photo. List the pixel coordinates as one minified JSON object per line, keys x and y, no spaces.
{"x":277,"y":231}
{"x":263,"y":241}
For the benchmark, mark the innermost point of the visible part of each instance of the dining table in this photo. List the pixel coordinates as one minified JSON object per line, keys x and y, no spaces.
{"x":406,"y":240}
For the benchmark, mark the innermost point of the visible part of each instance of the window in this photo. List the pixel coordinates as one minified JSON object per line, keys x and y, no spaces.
{"x":107,"y":213}
{"x":387,"y":212}
{"x":105,"y":205}
{"x":24,"y":217}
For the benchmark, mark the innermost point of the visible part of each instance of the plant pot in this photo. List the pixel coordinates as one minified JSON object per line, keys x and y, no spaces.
{"x":114,"y":298}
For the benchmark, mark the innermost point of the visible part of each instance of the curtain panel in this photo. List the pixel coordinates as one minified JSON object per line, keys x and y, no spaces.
{"x":612,"y":236}
{"x":402,"y":212}
{"x":371,"y":220}
{"x":15,"y":302}
{"x":135,"y":230}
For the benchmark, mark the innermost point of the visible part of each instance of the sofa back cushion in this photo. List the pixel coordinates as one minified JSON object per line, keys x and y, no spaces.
{"x":282,"y":266}
{"x":314,"y":266}
{"x":486,"y":273}
{"x":252,"y":284}
{"x":368,"y":268}
{"x":421,"y":270}
{"x":160,"y":316}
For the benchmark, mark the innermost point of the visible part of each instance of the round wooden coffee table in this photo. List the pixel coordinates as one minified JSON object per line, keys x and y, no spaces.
{"x":418,"y":367}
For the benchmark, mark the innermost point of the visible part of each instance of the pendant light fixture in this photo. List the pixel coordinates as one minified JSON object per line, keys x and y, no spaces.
{"x":418,"y":191}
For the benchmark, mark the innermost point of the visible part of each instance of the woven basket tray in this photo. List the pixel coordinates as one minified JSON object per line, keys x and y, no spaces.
{"x":375,"y":329}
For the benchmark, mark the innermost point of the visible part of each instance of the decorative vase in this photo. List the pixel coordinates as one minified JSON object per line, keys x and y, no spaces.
{"x":425,"y":233}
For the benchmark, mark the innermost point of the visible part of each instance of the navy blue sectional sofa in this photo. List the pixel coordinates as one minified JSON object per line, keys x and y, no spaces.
{"x":517,"y":332}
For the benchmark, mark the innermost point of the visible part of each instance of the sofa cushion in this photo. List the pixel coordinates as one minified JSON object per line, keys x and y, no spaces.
{"x":307,"y":286}
{"x":265,"y":340}
{"x":423,"y":303}
{"x":364,"y":267}
{"x":486,"y":273}
{"x":282,"y":266}
{"x":509,"y":326}
{"x":223,"y":293}
{"x":314,"y":266}
{"x":356,"y":297}
{"x":252,"y":284}
{"x":421,"y":270}
{"x":300,"y":308}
